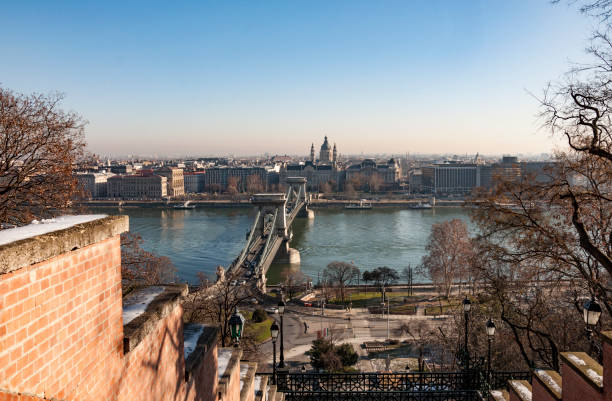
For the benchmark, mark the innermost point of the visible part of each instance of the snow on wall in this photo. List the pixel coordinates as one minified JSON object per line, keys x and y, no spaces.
{"x":223,"y":358}
{"x":45,"y":226}
{"x":546,"y":378}
{"x":135,"y":305}
{"x":191,"y":335}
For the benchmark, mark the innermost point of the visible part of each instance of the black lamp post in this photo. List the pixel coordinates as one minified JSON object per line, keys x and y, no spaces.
{"x":490,"y":333}
{"x":467,"y":305}
{"x":591,"y":313}
{"x":236,"y":323}
{"x":281,"y":311}
{"x":274,"y":333}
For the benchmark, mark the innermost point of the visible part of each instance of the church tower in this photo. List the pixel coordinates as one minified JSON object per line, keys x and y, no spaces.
{"x":312,"y":153}
{"x":335,"y":154}
{"x":325,"y":154}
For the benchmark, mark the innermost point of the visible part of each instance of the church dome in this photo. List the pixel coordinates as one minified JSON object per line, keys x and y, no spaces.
{"x":325,"y":145}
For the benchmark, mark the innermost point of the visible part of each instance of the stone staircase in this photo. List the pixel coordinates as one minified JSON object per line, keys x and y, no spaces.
{"x":581,"y":379}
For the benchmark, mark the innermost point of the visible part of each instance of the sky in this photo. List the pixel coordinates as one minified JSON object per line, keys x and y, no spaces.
{"x":179,"y":78}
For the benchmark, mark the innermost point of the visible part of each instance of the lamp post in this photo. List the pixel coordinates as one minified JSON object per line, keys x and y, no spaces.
{"x":467,"y":305}
{"x":591,"y":313}
{"x":490,"y":326}
{"x":236,"y":323}
{"x":281,"y":311}
{"x":274,"y":333}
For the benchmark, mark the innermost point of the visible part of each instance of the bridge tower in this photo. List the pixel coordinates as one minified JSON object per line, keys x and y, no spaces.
{"x":297,"y":187}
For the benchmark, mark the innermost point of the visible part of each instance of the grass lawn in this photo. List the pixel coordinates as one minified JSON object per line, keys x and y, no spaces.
{"x":435,"y":309}
{"x":372,"y":298}
{"x":259,"y":331}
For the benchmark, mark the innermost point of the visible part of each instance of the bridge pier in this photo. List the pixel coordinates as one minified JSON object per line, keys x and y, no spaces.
{"x":306,"y":213}
{"x":287,"y":255}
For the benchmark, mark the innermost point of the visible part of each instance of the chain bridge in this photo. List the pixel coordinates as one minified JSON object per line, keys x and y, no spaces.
{"x":268,"y":239}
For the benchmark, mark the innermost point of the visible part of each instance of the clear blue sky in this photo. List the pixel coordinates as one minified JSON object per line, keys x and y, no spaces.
{"x":248,"y":77}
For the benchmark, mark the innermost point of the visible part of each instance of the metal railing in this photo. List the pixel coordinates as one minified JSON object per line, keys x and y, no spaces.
{"x":469,"y":395}
{"x":417,"y":386}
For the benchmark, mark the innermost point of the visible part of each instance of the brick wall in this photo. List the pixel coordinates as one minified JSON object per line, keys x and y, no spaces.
{"x":155,"y":369}
{"x":61,"y":330}
{"x":202,"y":385}
{"x":61,"y":326}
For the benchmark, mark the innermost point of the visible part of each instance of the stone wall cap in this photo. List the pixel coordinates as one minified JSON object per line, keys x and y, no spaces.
{"x":207,"y":337}
{"x":228,"y":361}
{"x":607,"y":336}
{"x":500,"y":395}
{"x":247,"y":379}
{"x":585,"y":366}
{"x":31,"y":245}
{"x":157,"y":308}
{"x":551,"y":380}
{"x":521,"y":388}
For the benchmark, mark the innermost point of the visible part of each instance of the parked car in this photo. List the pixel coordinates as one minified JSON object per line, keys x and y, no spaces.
{"x":233,"y":283}
{"x":272,"y":309}
{"x":242,"y":282}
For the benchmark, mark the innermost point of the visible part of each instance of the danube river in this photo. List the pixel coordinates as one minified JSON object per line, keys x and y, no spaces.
{"x":201,"y":239}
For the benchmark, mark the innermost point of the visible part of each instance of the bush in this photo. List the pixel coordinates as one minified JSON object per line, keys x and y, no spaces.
{"x":347,"y":354}
{"x":325,"y":355}
{"x":259,"y":316}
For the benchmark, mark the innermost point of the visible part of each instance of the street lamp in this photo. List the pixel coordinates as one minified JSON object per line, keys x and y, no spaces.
{"x":281,"y":311}
{"x":591,"y":313}
{"x":274,"y":333}
{"x":490,"y":326}
{"x":236,"y":323}
{"x":467,"y":305}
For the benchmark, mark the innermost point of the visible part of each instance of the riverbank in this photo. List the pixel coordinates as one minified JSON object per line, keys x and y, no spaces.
{"x":243,"y":203}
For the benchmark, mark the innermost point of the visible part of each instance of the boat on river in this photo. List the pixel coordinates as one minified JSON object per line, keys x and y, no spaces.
{"x":363,"y":204}
{"x":420,"y":206}
{"x":186,"y":205}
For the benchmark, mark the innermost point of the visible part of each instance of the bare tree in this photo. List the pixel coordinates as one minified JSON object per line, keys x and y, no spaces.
{"x":233,"y":185}
{"x":254,"y":184}
{"x":39,"y":145}
{"x":142,"y":267}
{"x":217,"y":303}
{"x":326,"y":187}
{"x":375,"y":181}
{"x":449,"y":254}
{"x":340,"y":274}
{"x":293,"y":281}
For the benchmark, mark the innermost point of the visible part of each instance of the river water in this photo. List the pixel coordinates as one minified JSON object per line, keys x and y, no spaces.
{"x":201,"y":239}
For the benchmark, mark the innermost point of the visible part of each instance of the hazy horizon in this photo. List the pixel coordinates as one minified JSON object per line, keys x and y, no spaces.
{"x":254,"y":78}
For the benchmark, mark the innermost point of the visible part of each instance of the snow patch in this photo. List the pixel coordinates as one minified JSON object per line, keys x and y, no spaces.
{"x":546,"y":378}
{"x":137,"y":304}
{"x":497,"y":395}
{"x":244,"y":368}
{"x":191,"y":335}
{"x":576,"y":360}
{"x":45,"y":226}
{"x":257,"y":385}
{"x":596,"y":377}
{"x":223,"y":358}
{"x":523,"y":391}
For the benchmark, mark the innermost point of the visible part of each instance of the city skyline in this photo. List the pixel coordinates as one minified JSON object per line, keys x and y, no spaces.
{"x":247,"y":78}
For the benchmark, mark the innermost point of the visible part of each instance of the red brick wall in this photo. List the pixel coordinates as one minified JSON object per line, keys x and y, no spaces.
{"x":155,"y":369}
{"x":61,"y":336}
{"x":61,"y":332}
{"x":202,"y":385}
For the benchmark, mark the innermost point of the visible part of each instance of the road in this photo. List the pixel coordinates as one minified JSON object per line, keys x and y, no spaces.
{"x":355,"y":328}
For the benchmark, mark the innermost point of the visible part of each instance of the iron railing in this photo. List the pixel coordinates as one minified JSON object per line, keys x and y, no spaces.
{"x":469,"y":395}
{"x":354,"y":382}
{"x":400,"y":381}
